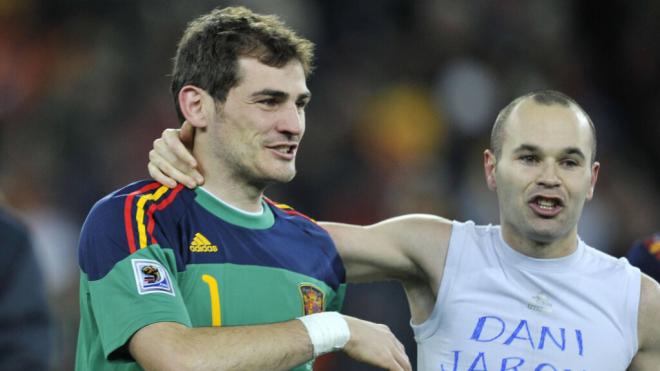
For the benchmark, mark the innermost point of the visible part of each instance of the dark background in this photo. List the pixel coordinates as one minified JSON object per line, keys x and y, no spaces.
{"x":405,"y":94}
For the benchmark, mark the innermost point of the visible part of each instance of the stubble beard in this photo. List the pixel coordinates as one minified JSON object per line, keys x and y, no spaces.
{"x":259,"y":176}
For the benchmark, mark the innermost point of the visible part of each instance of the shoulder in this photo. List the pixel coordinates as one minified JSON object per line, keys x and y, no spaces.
{"x":423,"y":239}
{"x":472,"y":234}
{"x":127,"y":207}
{"x":299,"y":227}
{"x":649,"y":314}
{"x":599,"y":261}
{"x":123,"y":221}
{"x":288,"y":213}
{"x":650,"y":294}
{"x":129,"y":195}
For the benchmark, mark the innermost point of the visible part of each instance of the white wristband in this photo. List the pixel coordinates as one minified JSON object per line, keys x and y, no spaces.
{"x":328,"y":331}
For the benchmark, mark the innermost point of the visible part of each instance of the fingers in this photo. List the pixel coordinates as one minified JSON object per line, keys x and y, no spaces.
{"x":376,"y":344}
{"x":164,"y":172}
{"x":187,"y":134}
{"x":401,"y":358}
{"x":158,"y":175}
{"x":174,"y":145}
{"x":173,"y":159}
{"x":169,"y":155}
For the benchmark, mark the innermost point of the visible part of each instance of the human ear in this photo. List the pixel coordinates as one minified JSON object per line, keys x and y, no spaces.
{"x":490,"y":162}
{"x":196,"y":105}
{"x":595,"y":168}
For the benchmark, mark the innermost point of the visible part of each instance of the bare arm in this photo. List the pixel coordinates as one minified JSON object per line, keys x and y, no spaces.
{"x":411,"y":249}
{"x":648,"y":355}
{"x":405,"y":248}
{"x":172,"y":346}
{"x":280,"y":346}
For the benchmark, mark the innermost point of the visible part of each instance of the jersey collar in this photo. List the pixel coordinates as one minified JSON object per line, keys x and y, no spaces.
{"x":233,"y":215}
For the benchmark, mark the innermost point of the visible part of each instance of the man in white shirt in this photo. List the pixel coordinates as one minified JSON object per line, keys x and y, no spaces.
{"x":528,"y":294}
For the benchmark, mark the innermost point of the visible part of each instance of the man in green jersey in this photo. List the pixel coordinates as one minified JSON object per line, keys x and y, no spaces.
{"x":220,"y":277}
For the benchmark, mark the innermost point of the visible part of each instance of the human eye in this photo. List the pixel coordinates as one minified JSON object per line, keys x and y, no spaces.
{"x":570,"y":163}
{"x":302,"y":103}
{"x":269,"y":102}
{"x":528,"y":159}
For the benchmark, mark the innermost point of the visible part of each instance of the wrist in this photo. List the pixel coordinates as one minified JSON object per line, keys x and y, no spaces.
{"x":328,"y":331}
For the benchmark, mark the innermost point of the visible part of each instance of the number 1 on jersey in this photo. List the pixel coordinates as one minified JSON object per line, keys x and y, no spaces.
{"x":216,"y":320}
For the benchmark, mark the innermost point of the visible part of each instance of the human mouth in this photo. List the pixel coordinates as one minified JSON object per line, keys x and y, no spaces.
{"x":285,"y":151}
{"x":546,"y":206}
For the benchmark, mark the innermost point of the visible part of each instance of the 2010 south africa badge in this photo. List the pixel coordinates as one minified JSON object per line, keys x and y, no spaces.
{"x":151,"y":277}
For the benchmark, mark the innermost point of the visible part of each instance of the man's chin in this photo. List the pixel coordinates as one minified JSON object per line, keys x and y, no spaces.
{"x":280,"y":177}
{"x":546,"y":234}
{"x":286,"y":175}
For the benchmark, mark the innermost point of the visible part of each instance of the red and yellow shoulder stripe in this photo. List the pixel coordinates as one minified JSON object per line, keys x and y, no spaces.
{"x":288,"y":209}
{"x":138,"y":215}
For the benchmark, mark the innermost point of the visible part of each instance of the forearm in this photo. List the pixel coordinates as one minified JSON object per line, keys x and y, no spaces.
{"x":168,"y":346}
{"x":279,"y":346}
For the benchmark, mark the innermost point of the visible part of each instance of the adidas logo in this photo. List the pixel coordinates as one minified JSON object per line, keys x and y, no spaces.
{"x":202,"y":244}
{"x":540,"y":303}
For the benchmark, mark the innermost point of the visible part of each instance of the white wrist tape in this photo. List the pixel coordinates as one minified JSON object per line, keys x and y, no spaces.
{"x":328,"y":331}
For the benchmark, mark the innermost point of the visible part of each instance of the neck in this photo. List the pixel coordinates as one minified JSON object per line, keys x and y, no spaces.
{"x":225,"y":181}
{"x":537,"y":248}
{"x":233,"y":189}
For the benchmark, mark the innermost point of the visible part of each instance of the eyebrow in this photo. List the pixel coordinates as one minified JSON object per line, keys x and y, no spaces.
{"x":526,"y":148}
{"x":280,"y":94}
{"x":535,"y":149}
{"x":574,"y":151}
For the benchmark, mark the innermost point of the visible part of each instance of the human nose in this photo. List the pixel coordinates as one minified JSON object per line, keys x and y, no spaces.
{"x":548,"y":176}
{"x":292,"y":120}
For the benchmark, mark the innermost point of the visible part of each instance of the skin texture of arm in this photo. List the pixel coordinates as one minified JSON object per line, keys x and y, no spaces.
{"x":279,"y":346}
{"x":648,"y":325}
{"x":411,"y":249}
{"x":172,"y":346}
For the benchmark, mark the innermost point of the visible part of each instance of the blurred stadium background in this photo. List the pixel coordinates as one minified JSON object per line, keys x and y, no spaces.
{"x":405,"y":93}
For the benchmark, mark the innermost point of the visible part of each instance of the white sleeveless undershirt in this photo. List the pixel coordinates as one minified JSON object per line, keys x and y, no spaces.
{"x":500,"y":310}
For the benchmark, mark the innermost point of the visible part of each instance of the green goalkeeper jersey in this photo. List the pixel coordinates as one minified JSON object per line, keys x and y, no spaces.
{"x":152,"y":254}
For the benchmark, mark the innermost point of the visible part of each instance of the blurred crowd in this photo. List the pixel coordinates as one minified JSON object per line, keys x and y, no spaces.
{"x":404,"y":95}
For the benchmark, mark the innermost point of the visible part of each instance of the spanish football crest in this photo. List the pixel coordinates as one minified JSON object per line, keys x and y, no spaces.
{"x":151,"y":277}
{"x":312,"y":298}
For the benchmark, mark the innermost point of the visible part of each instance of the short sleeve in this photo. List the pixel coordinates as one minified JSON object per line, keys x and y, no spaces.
{"x":126,"y":289}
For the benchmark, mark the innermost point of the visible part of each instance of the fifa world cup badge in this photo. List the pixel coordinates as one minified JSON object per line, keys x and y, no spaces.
{"x":151,"y":277}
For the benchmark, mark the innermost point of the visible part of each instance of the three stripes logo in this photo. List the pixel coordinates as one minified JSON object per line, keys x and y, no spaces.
{"x":202,"y":244}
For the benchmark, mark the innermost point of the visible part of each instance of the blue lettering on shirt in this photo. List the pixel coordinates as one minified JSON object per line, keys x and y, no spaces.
{"x":492,"y":328}
{"x":545,"y":332}
{"x":578,"y":336}
{"x":476,"y":334}
{"x":514,"y":334}
{"x":479,"y":361}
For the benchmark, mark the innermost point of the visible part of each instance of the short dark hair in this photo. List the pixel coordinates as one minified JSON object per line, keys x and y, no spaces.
{"x":543,"y":97}
{"x":208,"y":52}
